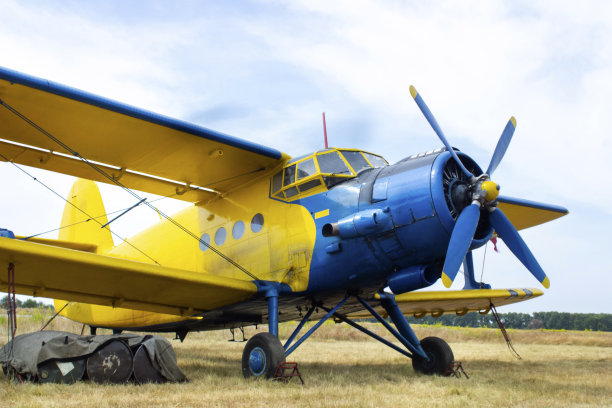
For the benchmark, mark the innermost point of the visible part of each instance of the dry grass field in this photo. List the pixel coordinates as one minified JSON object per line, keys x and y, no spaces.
{"x":343,"y":368}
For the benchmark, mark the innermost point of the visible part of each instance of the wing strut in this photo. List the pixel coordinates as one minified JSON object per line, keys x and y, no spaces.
{"x":12,"y":305}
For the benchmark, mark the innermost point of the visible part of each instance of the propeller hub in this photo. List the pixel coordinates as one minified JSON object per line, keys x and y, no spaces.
{"x":491,"y":189}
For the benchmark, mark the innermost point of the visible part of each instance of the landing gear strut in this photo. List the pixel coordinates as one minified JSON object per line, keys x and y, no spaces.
{"x":264,"y":352}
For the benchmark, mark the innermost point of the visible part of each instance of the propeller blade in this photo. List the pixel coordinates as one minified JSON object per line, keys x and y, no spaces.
{"x":434,"y":124}
{"x":513,"y":240}
{"x":460,"y":241}
{"x":502,"y":145}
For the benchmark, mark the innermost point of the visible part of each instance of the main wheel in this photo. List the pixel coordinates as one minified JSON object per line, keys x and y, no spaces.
{"x":262,"y":355}
{"x":440,"y":357}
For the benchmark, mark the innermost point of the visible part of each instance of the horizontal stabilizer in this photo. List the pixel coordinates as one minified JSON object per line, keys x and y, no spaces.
{"x":48,"y":271}
{"x":77,"y":246}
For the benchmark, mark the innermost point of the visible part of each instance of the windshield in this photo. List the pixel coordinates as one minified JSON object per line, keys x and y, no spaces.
{"x":356,"y":160}
{"x":376,"y":161}
{"x":332,"y":163}
{"x":306,"y":168}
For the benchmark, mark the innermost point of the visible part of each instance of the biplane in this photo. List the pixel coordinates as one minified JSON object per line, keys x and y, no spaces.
{"x":335,"y":234}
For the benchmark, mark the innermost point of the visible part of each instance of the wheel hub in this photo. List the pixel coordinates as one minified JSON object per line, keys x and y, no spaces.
{"x":257,"y":361}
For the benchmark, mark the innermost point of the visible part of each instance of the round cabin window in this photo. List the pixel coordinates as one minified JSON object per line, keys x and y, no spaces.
{"x":220,"y":236}
{"x":204,"y":242}
{"x":257,"y":223}
{"x":238,"y":230}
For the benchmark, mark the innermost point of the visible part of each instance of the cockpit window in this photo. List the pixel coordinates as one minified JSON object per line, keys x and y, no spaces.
{"x":277,"y":181}
{"x":311,"y":174}
{"x":306,"y":168}
{"x":310,"y":184}
{"x":375,"y":160}
{"x":291,"y":191}
{"x":289,"y":175}
{"x":356,"y":160}
{"x":332,"y":163}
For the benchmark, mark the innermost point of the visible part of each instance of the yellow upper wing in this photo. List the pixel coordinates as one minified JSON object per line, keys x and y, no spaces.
{"x":43,"y":270}
{"x":436,"y":303}
{"x":143,"y":150}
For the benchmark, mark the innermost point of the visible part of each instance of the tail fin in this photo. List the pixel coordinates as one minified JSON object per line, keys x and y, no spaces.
{"x":85,"y":198}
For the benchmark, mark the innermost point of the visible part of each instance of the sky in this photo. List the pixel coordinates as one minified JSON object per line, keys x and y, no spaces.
{"x":264,"y":71}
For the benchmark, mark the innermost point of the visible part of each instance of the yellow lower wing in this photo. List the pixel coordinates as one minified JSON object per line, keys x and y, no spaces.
{"x":525,"y":214}
{"x":436,"y":303}
{"x":43,"y":270}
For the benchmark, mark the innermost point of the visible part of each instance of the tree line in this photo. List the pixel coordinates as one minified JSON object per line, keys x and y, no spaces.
{"x":537,"y":320}
{"x":28,"y":303}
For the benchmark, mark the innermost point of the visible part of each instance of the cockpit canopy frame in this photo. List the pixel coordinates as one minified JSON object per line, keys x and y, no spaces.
{"x":319,"y":171}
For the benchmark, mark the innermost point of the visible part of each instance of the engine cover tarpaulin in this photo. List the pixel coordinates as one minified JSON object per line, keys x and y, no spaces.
{"x":27,"y":351}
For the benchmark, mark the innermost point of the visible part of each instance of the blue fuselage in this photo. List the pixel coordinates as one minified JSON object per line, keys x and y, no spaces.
{"x":389,"y":224}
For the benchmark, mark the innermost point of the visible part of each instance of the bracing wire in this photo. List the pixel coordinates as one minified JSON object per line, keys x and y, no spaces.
{"x":89,"y":219}
{"x":78,"y":208}
{"x":128,"y":190}
{"x":484,"y":257}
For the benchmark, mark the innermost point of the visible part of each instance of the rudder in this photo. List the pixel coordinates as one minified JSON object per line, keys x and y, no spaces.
{"x":78,"y":227}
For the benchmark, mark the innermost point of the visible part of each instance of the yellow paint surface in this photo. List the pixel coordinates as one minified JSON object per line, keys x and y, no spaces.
{"x":436,"y":303}
{"x":280,"y":251}
{"x":321,"y":214}
{"x":522,"y":216}
{"x":121,"y":141}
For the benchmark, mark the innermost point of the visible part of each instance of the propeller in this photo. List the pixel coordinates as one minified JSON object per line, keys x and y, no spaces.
{"x":482,"y":193}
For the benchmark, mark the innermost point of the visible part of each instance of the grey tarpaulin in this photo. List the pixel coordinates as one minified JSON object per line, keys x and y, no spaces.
{"x":28,"y":350}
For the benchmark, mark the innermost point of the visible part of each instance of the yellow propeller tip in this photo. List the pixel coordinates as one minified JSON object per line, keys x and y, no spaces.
{"x":413,"y":91}
{"x":446,"y":280}
{"x":513,"y":120}
{"x":546,"y":283}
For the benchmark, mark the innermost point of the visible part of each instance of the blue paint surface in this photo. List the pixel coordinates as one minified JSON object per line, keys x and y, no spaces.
{"x":388,"y":220}
{"x":257,"y":361}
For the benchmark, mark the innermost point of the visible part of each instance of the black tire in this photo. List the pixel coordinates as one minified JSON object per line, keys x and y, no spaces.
{"x":440,"y":355}
{"x":262,"y":355}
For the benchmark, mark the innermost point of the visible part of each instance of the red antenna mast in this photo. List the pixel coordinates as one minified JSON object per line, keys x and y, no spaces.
{"x":324,"y":130}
